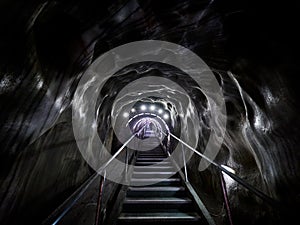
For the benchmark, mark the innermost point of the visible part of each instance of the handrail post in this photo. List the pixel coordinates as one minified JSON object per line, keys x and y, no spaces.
{"x":99,"y":218}
{"x":184,"y":161}
{"x":126,"y":164}
{"x":100,"y":212}
{"x":225,"y":195}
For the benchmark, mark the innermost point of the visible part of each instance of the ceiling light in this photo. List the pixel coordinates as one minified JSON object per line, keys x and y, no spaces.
{"x":152,"y":107}
{"x":125,"y":114}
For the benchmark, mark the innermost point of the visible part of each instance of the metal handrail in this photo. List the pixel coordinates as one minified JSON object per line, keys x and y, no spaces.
{"x":116,"y":154}
{"x":257,"y":192}
{"x":192,"y":190}
{"x":254,"y":190}
{"x":98,"y":219}
{"x":226,"y":200}
{"x":71,"y":201}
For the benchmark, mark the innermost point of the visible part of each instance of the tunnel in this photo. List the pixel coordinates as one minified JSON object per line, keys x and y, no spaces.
{"x":149,"y":112}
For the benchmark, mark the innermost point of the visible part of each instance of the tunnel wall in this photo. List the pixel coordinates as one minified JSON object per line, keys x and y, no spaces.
{"x":43,"y":176}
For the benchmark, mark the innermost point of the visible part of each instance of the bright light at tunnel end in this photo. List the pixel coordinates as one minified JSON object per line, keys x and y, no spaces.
{"x":89,"y":89}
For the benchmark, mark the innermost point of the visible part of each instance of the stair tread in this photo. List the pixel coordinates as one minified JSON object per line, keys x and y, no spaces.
{"x":150,"y":158}
{"x":154,"y":179}
{"x":153,"y":172}
{"x":164,"y":200}
{"x":156,"y":188}
{"x":160,"y":215}
{"x":153,"y":154}
{"x":154,"y":167}
{"x":151,"y":162}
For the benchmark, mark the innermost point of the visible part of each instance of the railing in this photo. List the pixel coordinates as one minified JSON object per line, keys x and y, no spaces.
{"x":66,"y":206}
{"x":239,"y":180}
{"x":100,"y":213}
{"x":189,"y":187}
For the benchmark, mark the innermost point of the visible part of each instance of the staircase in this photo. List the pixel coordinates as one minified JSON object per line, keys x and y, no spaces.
{"x":165,"y":202}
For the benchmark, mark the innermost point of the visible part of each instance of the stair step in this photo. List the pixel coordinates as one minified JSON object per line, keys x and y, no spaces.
{"x":160,"y":216}
{"x":157,"y":204}
{"x":146,"y":207}
{"x":156,"y":188}
{"x":152,"y":154}
{"x":158,"y":149}
{"x":153,"y":168}
{"x":159,"y":208}
{"x":158,"y":200}
{"x":151,"y":163}
{"x":151,"y":159}
{"x":152,"y":174}
{"x":156,"y":191}
{"x":155,"y":181}
{"x":152,"y":198}
{"x":153,"y":151}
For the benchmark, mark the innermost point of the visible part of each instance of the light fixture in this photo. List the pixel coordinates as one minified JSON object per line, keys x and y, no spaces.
{"x":143,"y":107}
{"x":125,"y":114}
{"x":166,"y":116}
{"x":152,"y":107}
{"x":133,"y":110}
{"x":160,"y":111}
